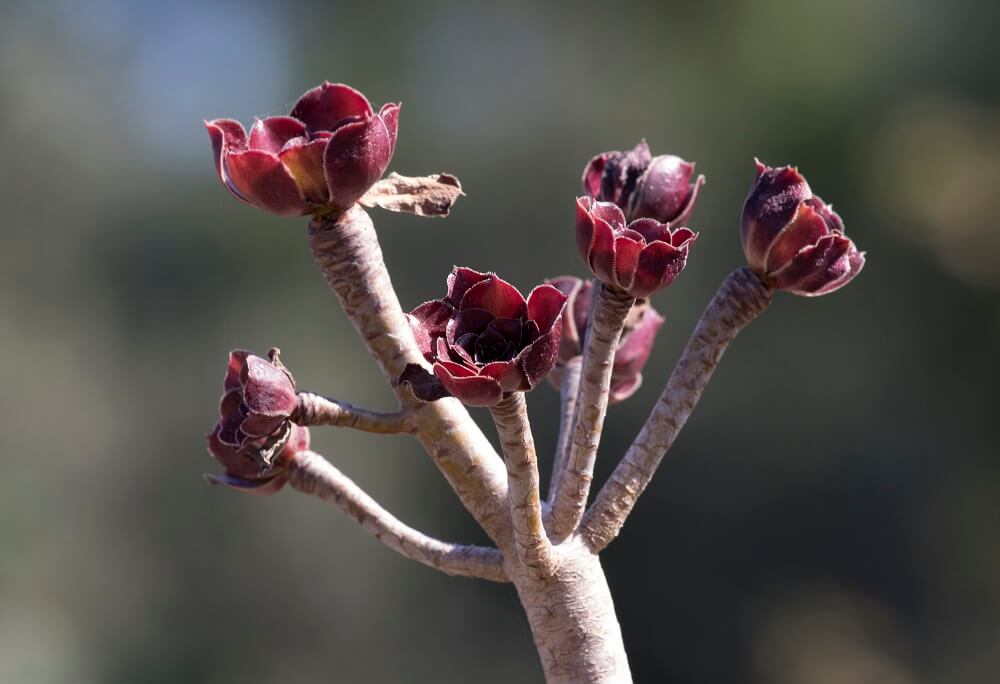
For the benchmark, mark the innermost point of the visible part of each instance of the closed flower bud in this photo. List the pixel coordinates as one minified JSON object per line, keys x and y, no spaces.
{"x":322,"y":157}
{"x":643,"y":186}
{"x":640,"y":258}
{"x":793,"y":240}
{"x":485,"y":339}
{"x":257,"y":405}
{"x":634,"y":346}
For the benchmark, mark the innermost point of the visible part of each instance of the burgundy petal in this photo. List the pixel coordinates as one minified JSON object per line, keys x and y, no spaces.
{"x":832,"y":218}
{"x":497,"y":296}
{"x":326,"y":107}
{"x":635,"y":348}
{"x":267,"y":389}
{"x":262,"y":180}
{"x":545,"y":304}
{"x":231,"y":413}
{"x":428,"y":322}
{"x":259,"y":425}
{"x":651,"y":229}
{"x":595,"y":239}
{"x":508,"y":374}
{"x":230,"y":458}
{"x":460,"y":280}
{"x":390,"y":117}
{"x":627,"y":253}
{"x":685,"y":213}
{"x":304,"y":161}
{"x":234,"y":371}
{"x":573,"y":325}
{"x":592,"y":174}
{"x":538,"y":358}
{"x":466,"y":386}
{"x":771,"y":204}
{"x":271,"y":134}
{"x":818,"y":269}
{"x":469,"y":321}
{"x":225,"y":135}
{"x":356,"y":156}
{"x":664,"y":189}
{"x":659,"y":263}
{"x":805,"y":229}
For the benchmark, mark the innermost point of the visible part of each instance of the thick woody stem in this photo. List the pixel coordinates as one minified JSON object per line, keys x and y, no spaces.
{"x":568,"y":388}
{"x":607,"y":320}
{"x":740,"y":299}
{"x":347,"y":252}
{"x":314,"y":409}
{"x":533,"y":547}
{"x":310,"y":473}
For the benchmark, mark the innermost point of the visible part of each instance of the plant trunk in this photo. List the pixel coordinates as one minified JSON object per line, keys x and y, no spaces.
{"x":573,"y":619}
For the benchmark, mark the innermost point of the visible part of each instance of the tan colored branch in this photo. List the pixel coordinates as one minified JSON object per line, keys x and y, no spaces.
{"x":533,"y":547}
{"x":315,"y":409}
{"x":611,"y":308}
{"x":568,"y":387}
{"x":740,"y":299}
{"x":347,"y":252}
{"x":312,"y":474}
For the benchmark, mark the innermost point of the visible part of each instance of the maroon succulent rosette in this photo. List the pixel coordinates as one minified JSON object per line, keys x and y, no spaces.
{"x":640,"y":258}
{"x":634,"y":347}
{"x":792,"y":239}
{"x":255,"y":428}
{"x":323,"y":156}
{"x":643,"y":186}
{"x":485,"y":339}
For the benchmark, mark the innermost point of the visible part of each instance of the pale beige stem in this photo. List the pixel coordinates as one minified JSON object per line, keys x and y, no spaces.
{"x":572,"y":618}
{"x":310,"y":473}
{"x":607,"y":320}
{"x":314,"y":409}
{"x":518,"y":446}
{"x":347,"y":252}
{"x":569,"y":386}
{"x":740,"y":299}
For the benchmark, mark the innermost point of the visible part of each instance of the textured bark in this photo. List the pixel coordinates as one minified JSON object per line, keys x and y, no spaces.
{"x":518,"y":445}
{"x":568,"y":388}
{"x":347,"y":252}
{"x":311,"y":474}
{"x":611,"y":307}
{"x":573,"y":621}
{"x":740,"y":299}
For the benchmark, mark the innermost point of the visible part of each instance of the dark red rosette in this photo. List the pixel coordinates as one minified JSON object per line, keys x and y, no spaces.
{"x":485,"y":339}
{"x":792,"y":239}
{"x":640,"y":258}
{"x":323,"y":156}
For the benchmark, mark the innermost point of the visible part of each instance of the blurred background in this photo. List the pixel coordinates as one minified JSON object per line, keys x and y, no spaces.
{"x":830,"y":513}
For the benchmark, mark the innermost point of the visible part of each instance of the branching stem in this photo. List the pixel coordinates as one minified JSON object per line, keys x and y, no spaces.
{"x":607,"y":320}
{"x":740,"y":299}
{"x":315,"y":409}
{"x":533,"y":547}
{"x":310,"y":473}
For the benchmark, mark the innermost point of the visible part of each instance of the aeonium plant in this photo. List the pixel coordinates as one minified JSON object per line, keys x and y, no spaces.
{"x":486,"y":345}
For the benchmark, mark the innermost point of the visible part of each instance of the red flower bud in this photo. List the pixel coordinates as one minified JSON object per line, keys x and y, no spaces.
{"x":245,"y":473}
{"x":643,"y":186}
{"x":640,"y":258}
{"x":324,"y":155}
{"x":792,"y":239}
{"x":485,"y":339}
{"x":634,"y":347}
{"x":257,"y":405}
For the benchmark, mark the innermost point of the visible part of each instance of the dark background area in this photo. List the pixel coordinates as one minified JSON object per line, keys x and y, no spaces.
{"x":828,"y":516}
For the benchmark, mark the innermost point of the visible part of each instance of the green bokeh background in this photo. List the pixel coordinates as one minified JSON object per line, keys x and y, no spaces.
{"x":829,"y":515}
